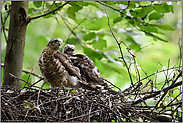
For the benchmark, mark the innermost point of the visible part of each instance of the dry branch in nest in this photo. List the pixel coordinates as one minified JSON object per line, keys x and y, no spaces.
{"x":59,"y":105}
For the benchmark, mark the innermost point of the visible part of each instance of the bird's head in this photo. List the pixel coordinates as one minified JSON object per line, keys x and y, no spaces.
{"x":69,"y":49}
{"x":54,"y":43}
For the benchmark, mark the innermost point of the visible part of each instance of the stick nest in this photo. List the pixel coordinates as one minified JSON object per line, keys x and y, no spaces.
{"x":59,"y":105}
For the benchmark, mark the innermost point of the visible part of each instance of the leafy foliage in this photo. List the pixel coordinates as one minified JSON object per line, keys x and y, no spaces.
{"x":84,"y":24}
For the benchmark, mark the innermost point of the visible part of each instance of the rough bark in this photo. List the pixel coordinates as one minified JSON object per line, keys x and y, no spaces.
{"x":15,"y":44}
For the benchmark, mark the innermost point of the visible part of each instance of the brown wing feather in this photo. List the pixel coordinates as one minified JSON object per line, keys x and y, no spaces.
{"x":72,"y":70}
{"x":87,"y":66}
{"x":64,"y":59}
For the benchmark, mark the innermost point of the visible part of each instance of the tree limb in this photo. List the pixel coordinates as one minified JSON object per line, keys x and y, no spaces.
{"x":32,"y":18}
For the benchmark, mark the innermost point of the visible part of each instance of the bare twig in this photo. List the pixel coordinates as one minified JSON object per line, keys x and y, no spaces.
{"x":156,"y":93}
{"x":119,"y":45}
{"x":50,"y":6}
{"x":82,"y":115}
{"x":26,"y":71}
{"x":22,"y":80}
{"x":72,"y":31}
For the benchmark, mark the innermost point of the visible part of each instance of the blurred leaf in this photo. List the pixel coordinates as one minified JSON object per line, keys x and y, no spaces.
{"x":53,"y":6}
{"x":133,"y":13}
{"x":145,"y":3}
{"x":92,"y":54}
{"x":71,"y":13}
{"x":83,"y":3}
{"x":30,"y":10}
{"x":92,"y":3}
{"x":37,"y":4}
{"x":109,"y":2}
{"x":133,"y":44}
{"x":73,"y":41}
{"x":122,"y":2}
{"x":46,"y":85}
{"x":47,"y":16}
{"x":89,"y":36}
{"x":75,"y":6}
{"x":159,"y":8}
{"x":130,"y":20}
{"x":148,"y":9}
{"x":148,"y":28}
{"x":118,"y":19}
{"x":100,"y":44}
{"x":141,"y":13}
{"x":97,"y":24}
{"x":156,"y":37}
{"x":168,"y":8}
{"x":165,"y":27}
{"x":131,"y":5}
{"x":155,"y":16}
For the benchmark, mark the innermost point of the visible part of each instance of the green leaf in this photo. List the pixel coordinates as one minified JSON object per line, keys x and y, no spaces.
{"x":92,"y":3}
{"x":47,"y":5}
{"x":168,"y":8}
{"x":92,"y":54}
{"x":159,"y":8}
{"x":133,"y":44}
{"x":73,"y":41}
{"x":148,"y":9}
{"x":155,"y":37}
{"x":47,"y":16}
{"x":97,"y":24}
{"x":71,"y":13}
{"x":30,"y":10}
{"x":165,"y":27}
{"x":83,"y":3}
{"x":130,"y":20}
{"x":131,"y":5}
{"x":109,"y":2}
{"x":141,"y":13}
{"x":76,"y":6}
{"x":133,"y":13}
{"x":155,"y":16}
{"x":37,"y":4}
{"x":145,"y":3}
{"x":148,"y":28}
{"x":89,"y":36}
{"x":53,"y":6}
{"x":122,"y":2}
{"x":100,"y":44}
{"x":118,"y":19}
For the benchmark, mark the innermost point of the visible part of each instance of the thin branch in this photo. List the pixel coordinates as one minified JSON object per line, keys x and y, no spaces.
{"x":72,"y":31}
{"x":22,"y":80}
{"x":32,"y":18}
{"x":143,"y":47}
{"x":158,"y":92}
{"x":3,"y":25}
{"x":82,"y":115}
{"x":158,"y":72}
{"x":180,"y":52}
{"x":166,"y":90}
{"x":118,"y":43}
{"x":26,"y":71}
{"x":51,"y":6}
{"x":171,"y":102}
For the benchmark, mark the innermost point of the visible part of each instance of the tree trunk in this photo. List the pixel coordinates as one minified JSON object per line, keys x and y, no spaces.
{"x":15,"y":44}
